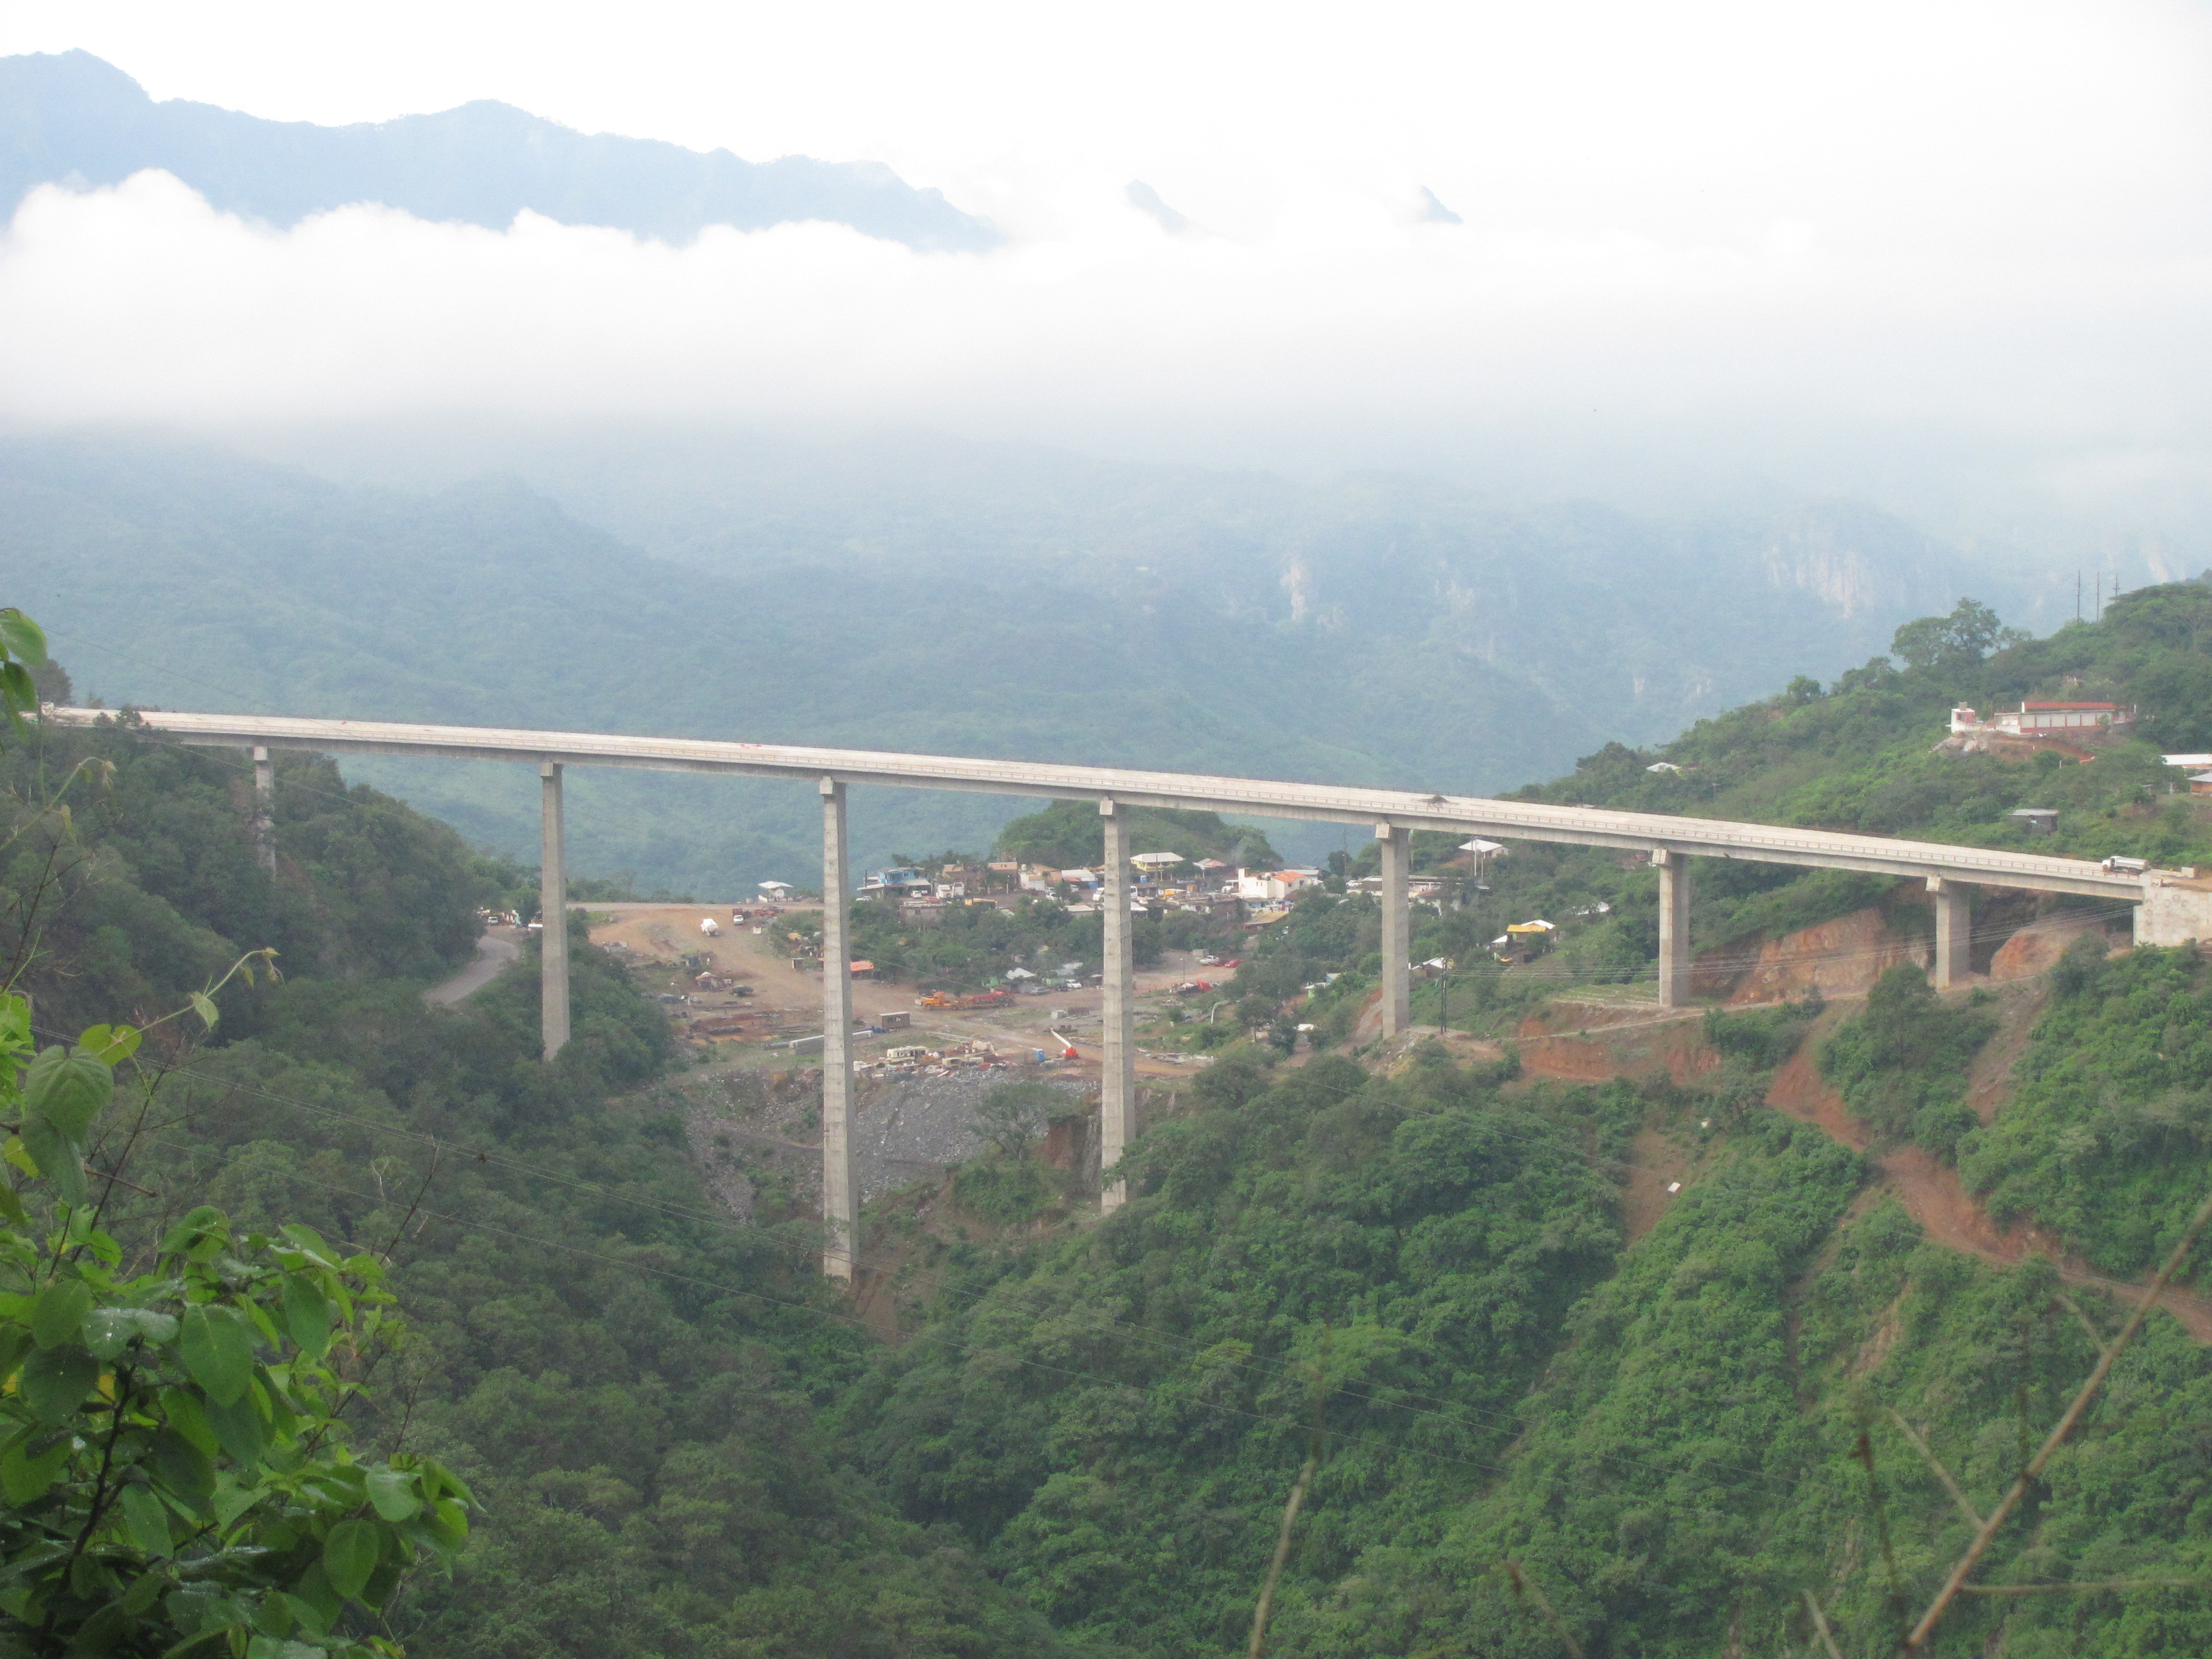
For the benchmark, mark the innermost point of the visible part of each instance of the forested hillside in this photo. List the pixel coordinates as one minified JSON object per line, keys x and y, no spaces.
{"x":1526,"y":1412}
{"x":1865,"y":753}
{"x":633,"y":1385}
{"x":1705,"y":1425}
{"x":930,"y":595}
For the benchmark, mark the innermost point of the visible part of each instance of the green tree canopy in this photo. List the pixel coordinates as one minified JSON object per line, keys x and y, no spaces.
{"x":1069,"y":834}
{"x":1961,"y":640}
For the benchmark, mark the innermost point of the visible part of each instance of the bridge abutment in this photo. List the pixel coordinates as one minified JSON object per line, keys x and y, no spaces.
{"x":840,"y":1242}
{"x":552,"y":913}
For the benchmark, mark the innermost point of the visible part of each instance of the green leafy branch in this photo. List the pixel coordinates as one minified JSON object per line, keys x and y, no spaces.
{"x":23,"y":648}
{"x":174,"y":1471}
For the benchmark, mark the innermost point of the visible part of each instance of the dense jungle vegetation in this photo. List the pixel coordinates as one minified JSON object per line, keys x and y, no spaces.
{"x":633,"y":1385}
{"x":1522,"y":1423}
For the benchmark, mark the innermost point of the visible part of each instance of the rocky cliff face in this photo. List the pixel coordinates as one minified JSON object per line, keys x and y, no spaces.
{"x":1857,"y":562}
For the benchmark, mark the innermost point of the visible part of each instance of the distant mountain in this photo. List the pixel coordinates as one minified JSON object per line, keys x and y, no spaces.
{"x":931,"y":596}
{"x":1635,"y":625}
{"x":71,"y":118}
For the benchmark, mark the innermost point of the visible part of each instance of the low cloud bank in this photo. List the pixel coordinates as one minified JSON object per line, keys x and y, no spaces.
{"x":140,"y":302}
{"x":1962,"y":251}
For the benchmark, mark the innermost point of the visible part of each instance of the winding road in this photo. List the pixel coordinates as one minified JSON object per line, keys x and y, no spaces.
{"x":495,"y":949}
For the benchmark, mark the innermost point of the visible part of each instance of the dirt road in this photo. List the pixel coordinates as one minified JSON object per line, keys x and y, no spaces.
{"x":1932,"y":1195}
{"x":664,"y":932}
{"x":496,"y":947}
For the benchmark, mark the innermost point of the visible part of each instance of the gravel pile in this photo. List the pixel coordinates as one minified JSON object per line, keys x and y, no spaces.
{"x":923,"y":1127}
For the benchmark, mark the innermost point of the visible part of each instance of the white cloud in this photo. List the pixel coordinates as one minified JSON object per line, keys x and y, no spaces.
{"x":1770,"y":222}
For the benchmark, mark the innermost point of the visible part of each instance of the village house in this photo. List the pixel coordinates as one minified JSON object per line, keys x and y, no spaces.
{"x":1274,"y":886}
{"x":2044,"y":720}
{"x":896,"y":884}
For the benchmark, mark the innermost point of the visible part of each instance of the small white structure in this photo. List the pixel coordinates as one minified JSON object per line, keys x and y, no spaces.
{"x":1484,"y":851}
{"x":773,"y":892}
{"x":1662,"y":766}
{"x":1274,"y":886}
{"x":710,"y":928}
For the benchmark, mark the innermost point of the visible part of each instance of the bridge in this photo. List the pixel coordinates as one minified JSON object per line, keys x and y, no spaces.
{"x":2172,"y":906}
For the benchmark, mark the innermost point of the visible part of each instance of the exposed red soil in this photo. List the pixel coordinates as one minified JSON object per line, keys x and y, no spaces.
{"x":1844,"y":958}
{"x":1633,"y":1041}
{"x":1655,"y":1162}
{"x":1932,"y":1195}
{"x":1990,"y":1079}
{"x":2039,"y":946}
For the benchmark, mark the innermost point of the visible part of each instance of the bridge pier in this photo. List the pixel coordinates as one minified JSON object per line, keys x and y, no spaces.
{"x":1953,"y":932}
{"x":1397,"y":844}
{"x":265,"y":809}
{"x":1117,"y":1076}
{"x":1674,"y":926}
{"x":839,"y":1244}
{"x":552,"y":914}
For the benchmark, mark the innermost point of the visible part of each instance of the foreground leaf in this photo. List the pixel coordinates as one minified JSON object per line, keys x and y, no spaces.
{"x":218,"y":1353}
{"x":349,"y":1556}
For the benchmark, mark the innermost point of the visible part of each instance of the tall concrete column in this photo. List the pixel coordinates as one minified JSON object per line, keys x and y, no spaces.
{"x":839,"y":1207}
{"x":1953,"y":932}
{"x":1674,"y":926}
{"x":1397,"y":846}
{"x":552,"y":914}
{"x":1117,"y":1076}
{"x":265,"y":809}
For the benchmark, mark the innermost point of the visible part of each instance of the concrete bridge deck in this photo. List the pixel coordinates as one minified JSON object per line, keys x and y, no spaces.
{"x":1949,"y":872}
{"x":1403,"y":809}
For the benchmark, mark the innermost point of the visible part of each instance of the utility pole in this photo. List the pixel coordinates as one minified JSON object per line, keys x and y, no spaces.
{"x":2077,"y":596}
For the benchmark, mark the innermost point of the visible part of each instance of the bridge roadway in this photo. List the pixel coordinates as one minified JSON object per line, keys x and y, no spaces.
{"x":1392,"y":814}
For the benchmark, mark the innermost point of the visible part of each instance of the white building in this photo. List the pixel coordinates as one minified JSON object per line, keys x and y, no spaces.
{"x":2043,"y":720}
{"x":1273,"y":886}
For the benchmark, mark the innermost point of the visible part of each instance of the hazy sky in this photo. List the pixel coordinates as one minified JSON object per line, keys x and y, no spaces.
{"x":1875,"y":235}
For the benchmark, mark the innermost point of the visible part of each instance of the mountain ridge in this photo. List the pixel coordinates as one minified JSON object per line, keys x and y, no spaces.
{"x":1440,"y":642}
{"x":75,"y":119}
